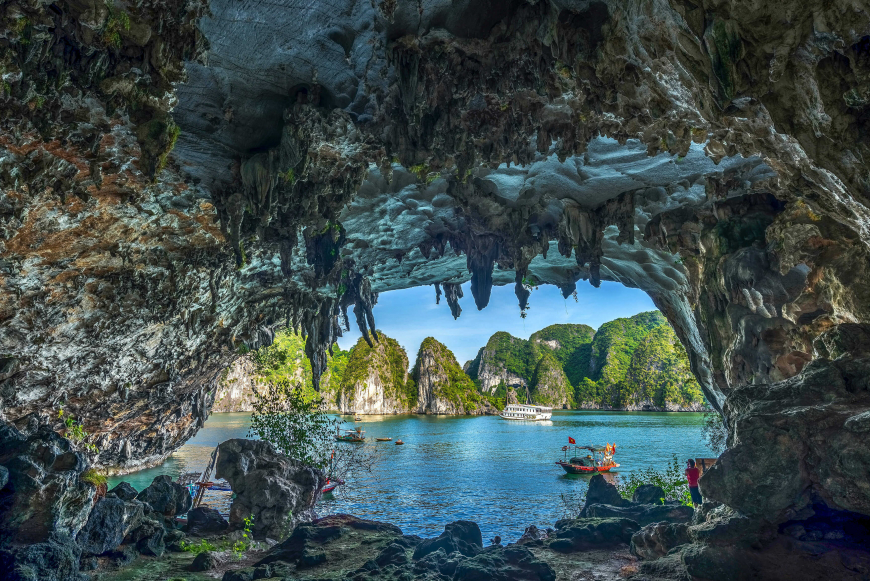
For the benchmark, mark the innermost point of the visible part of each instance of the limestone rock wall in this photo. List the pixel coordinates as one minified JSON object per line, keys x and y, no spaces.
{"x":442,"y":386}
{"x":375,"y":380}
{"x":235,"y":387}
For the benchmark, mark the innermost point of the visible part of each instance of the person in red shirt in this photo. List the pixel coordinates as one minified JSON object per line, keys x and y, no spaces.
{"x":692,"y":475}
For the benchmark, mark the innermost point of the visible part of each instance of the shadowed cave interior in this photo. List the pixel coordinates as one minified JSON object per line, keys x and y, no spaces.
{"x":180,"y":179}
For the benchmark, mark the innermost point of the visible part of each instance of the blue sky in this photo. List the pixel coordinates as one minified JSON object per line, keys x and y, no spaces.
{"x":411,"y":315}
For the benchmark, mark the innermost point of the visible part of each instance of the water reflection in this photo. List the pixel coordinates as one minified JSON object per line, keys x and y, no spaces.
{"x":501,"y":474}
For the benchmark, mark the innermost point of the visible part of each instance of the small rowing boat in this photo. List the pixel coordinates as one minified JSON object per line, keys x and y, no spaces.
{"x":399,"y":442}
{"x":357,"y":419}
{"x":383,"y":439}
{"x":330,"y":485}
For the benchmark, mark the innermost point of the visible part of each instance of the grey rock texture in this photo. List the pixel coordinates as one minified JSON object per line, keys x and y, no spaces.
{"x":166,"y":497}
{"x":711,"y":154}
{"x":279,"y":492}
{"x":43,"y":506}
{"x":203,"y":521}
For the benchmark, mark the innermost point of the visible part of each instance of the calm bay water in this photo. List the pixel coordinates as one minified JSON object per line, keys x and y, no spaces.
{"x":498,"y":473}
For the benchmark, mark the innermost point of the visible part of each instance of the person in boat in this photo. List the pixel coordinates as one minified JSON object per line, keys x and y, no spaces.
{"x":692,"y":475}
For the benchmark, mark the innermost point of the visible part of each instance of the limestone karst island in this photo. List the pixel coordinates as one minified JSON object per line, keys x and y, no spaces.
{"x":440,"y":290}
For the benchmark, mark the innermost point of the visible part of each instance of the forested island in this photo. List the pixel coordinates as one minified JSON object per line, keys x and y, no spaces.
{"x":634,"y":363}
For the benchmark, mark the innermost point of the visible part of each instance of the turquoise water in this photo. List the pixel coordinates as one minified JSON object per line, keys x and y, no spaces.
{"x":498,"y":473}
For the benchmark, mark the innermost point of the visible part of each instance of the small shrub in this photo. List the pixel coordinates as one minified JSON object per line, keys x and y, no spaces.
{"x":75,"y":431}
{"x":197,"y":548}
{"x":91,"y":476}
{"x":672,"y":480}
{"x":242,"y":545}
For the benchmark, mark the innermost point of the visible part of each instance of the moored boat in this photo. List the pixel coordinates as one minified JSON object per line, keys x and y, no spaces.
{"x":589,"y":464}
{"x":330,"y":485}
{"x":383,"y":439}
{"x":355,"y":435}
{"x":527,"y":412}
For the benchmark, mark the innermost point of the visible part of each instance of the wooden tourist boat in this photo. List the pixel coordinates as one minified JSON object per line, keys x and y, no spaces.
{"x":355,"y":435}
{"x":600,"y":459}
{"x":384,"y":439}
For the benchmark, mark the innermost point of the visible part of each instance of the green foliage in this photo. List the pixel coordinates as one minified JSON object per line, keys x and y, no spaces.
{"x":116,"y":21}
{"x":714,"y":432}
{"x":75,"y":431}
{"x":288,"y":177}
{"x":424,"y":173}
{"x":285,"y":360}
{"x":91,"y":476}
{"x":672,"y":480}
{"x":296,"y":425}
{"x":197,"y":548}
{"x":173,"y":132}
{"x":243,"y":544}
{"x":659,"y":372}
{"x":625,"y":362}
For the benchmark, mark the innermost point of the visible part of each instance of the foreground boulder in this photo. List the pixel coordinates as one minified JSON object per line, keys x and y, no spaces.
{"x":278,"y":491}
{"x":43,"y":506}
{"x":602,"y":492}
{"x":203,"y":520}
{"x":166,"y":497}
{"x":584,"y":533}
{"x":642,"y":514}
{"x":110,"y":520}
{"x":346,"y":547}
{"x":461,"y":536}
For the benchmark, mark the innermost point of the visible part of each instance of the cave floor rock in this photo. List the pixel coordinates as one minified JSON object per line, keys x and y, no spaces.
{"x":174,"y":566}
{"x":606,"y":564}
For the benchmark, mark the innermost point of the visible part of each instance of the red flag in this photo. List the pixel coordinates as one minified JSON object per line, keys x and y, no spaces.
{"x":571,"y":440}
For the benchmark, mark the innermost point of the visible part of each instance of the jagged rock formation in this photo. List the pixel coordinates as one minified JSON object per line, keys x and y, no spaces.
{"x":375,"y":380}
{"x":633,"y":364}
{"x":442,"y":386}
{"x":712,"y":154}
{"x":280,"y":492}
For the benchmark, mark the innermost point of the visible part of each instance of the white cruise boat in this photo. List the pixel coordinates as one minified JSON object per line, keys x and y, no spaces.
{"x":527,"y":412}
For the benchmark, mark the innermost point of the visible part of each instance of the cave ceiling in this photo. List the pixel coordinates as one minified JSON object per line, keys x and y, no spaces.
{"x":175,"y":190}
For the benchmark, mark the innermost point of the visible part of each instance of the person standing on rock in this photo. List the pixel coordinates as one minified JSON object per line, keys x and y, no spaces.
{"x":692,"y":475}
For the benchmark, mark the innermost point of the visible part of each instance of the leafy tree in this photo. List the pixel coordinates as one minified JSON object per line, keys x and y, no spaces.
{"x":714,"y":432}
{"x":292,"y":421}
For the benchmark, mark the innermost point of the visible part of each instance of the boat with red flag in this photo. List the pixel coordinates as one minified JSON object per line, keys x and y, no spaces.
{"x":597,"y":459}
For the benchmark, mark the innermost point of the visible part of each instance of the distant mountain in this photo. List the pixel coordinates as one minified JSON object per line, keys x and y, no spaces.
{"x":442,"y":386}
{"x":634,"y":363}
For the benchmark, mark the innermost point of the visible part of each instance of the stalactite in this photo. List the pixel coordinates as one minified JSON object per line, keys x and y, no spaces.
{"x":481,"y":256}
{"x":521,"y":291}
{"x":437,"y":293}
{"x":453,"y":292}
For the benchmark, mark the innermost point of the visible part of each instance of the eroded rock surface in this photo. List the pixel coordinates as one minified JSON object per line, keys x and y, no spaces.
{"x":711,"y":154}
{"x":278,"y":492}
